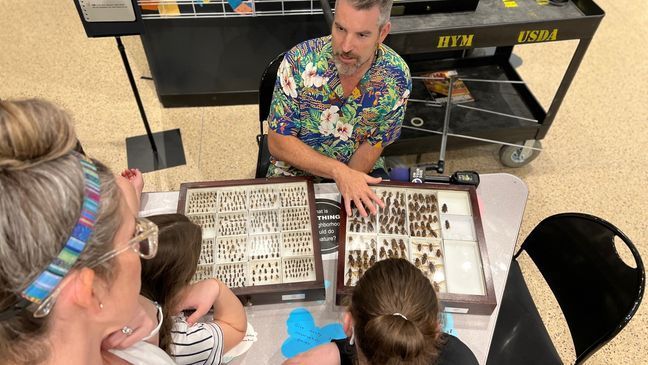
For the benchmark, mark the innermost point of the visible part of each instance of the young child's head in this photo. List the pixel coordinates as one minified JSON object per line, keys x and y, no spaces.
{"x":164,"y":276}
{"x":394,"y":315}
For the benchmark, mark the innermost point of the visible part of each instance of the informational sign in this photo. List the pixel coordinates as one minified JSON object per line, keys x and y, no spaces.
{"x":107,"y":10}
{"x":110,"y":18}
{"x":328,"y":224}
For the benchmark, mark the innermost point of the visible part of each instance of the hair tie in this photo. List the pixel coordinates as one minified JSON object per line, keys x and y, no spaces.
{"x":400,"y":314}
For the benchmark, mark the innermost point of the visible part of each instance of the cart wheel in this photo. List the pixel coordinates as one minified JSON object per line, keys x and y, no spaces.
{"x":516,"y":156}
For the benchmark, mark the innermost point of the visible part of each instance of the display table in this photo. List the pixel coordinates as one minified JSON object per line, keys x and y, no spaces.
{"x":502,"y":200}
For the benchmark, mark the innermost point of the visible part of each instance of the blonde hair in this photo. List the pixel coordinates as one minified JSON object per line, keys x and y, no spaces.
{"x":395,"y":308}
{"x":41,"y":193}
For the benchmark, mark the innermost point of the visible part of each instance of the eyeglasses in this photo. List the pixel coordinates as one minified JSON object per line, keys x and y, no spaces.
{"x":145,"y":243}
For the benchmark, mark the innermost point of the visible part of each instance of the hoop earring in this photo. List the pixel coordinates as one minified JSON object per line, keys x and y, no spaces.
{"x":352,"y":340}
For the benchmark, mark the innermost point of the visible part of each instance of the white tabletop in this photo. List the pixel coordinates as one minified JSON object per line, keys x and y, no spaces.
{"x":502,"y":199}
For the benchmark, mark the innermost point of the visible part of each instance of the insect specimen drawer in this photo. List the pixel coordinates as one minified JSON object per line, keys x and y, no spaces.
{"x":259,"y":237}
{"x":437,"y":228}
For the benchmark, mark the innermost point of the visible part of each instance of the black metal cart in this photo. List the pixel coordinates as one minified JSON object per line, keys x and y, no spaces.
{"x":518,"y":121}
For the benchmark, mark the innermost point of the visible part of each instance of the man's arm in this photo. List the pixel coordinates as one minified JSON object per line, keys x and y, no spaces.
{"x":353,"y":184}
{"x":365,"y":157}
{"x":298,"y":154}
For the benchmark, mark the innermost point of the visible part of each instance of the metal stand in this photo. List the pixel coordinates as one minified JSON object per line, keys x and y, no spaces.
{"x":440,"y":165}
{"x":153,"y":151}
{"x":527,"y":148}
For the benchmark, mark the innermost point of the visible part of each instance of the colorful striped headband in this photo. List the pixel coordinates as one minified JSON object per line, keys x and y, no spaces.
{"x":48,"y":280}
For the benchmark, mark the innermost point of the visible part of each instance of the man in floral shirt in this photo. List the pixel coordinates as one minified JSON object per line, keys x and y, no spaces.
{"x":338,"y":101}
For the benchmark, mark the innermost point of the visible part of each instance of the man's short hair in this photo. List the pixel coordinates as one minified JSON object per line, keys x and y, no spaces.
{"x":384,"y":6}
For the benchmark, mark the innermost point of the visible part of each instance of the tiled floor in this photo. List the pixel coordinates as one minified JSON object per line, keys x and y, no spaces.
{"x":594,"y":160}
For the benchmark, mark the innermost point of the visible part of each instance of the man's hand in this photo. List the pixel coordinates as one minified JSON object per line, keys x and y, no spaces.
{"x":200,"y":296}
{"x":354,"y":187}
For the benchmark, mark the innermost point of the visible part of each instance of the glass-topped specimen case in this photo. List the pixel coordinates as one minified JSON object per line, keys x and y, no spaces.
{"x":259,"y":237}
{"x":437,"y":227}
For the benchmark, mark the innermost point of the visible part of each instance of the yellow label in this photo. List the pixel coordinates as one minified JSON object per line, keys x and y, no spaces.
{"x":169,"y":9}
{"x":537,"y":35}
{"x":510,"y":3}
{"x":453,"y":41}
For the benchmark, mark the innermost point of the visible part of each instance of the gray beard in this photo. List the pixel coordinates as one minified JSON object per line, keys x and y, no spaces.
{"x":348,"y":70}
{"x":345,"y":69}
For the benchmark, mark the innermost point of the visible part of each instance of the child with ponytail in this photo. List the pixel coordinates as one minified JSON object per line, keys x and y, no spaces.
{"x":392,"y":318}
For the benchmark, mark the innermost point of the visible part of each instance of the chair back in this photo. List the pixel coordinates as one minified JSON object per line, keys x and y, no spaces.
{"x":266,"y":88}
{"x":597,"y":292}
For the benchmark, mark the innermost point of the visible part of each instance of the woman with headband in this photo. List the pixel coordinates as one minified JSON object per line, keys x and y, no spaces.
{"x":392,"y":318}
{"x":70,"y":245}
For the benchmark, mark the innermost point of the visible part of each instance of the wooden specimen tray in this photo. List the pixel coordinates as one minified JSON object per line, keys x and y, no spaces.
{"x":437,"y":227}
{"x":259,"y":237}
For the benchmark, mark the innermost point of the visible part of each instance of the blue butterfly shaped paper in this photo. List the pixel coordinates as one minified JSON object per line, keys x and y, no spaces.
{"x":303,"y":334}
{"x":447,"y":323}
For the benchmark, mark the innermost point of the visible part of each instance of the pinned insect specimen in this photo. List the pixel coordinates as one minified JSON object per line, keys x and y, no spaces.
{"x":295,"y":219}
{"x":232,"y":200}
{"x":360,"y":224}
{"x":422,"y":216}
{"x":393,"y":214}
{"x":264,"y":221}
{"x":234,"y":275}
{"x":263,"y":247}
{"x":297,"y":243}
{"x":293,"y":196}
{"x":264,"y":197}
{"x":201,"y":202}
{"x":230,"y":249}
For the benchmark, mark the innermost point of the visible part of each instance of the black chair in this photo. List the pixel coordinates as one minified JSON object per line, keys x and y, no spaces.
{"x":597,"y":292}
{"x":268,"y":80}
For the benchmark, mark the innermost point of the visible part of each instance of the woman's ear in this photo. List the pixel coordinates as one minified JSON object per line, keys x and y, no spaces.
{"x":84,"y":290}
{"x":347,"y":324}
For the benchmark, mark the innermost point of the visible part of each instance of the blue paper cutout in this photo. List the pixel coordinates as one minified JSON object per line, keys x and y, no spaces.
{"x":303,"y":335}
{"x":447,"y":320}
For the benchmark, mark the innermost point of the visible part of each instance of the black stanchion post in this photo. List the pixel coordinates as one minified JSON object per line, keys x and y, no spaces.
{"x":131,"y":79}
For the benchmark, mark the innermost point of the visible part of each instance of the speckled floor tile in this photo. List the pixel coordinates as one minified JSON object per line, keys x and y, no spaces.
{"x":594,"y":157}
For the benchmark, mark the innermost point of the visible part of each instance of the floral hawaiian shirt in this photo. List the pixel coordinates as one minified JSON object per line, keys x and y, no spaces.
{"x":309,"y":103}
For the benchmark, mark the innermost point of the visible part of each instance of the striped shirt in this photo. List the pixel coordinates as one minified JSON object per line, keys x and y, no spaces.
{"x":201,"y":343}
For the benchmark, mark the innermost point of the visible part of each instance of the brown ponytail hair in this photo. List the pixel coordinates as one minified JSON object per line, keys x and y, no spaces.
{"x":389,"y":288}
{"x":165,"y":275}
